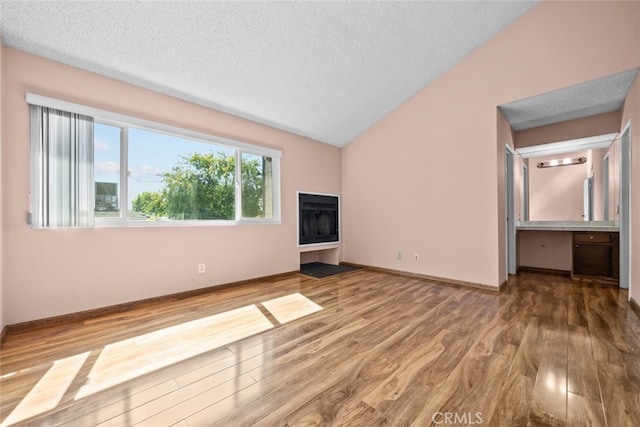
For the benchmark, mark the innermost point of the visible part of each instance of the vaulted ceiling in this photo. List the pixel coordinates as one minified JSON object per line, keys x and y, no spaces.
{"x":324,"y":70}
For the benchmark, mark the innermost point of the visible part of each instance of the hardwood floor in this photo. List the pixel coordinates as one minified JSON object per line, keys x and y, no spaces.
{"x":382,"y":350}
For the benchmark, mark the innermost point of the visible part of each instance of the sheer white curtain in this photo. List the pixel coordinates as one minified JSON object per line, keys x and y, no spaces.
{"x":62,"y":185}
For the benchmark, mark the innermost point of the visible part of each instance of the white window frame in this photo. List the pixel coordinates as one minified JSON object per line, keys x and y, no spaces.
{"x":125,"y":122}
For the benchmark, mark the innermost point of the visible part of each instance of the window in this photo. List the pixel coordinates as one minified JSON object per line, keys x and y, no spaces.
{"x":142,"y":173}
{"x":106,"y":170}
{"x":177,"y":179}
{"x":257,"y":186}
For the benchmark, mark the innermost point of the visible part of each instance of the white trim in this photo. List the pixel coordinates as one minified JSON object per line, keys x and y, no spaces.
{"x":124,"y":120}
{"x":625,"y":214}
{"x":237,"y":189}
{"x":124,"y":173}
{"x":322,"y":247}
{"x":317,"y":194}
{"x":509,"y":169}
{"x":525,"y":192}
{"x":606,"y":183}
{"x":117,"y":222}
{"x":310,"y":245}
{"x":275,"y":183}
{"x":560,"y":147}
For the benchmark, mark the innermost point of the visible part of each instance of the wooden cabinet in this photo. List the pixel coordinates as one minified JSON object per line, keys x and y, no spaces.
{"x":595,"y":255}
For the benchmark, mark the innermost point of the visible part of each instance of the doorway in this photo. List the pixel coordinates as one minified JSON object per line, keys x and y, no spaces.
{"x":568,"y":103}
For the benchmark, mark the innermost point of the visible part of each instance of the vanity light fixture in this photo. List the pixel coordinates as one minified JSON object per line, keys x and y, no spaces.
{"x":562,"y":162}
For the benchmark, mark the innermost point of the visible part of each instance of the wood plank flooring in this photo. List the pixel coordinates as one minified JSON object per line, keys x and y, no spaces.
{"x":381,"y":349}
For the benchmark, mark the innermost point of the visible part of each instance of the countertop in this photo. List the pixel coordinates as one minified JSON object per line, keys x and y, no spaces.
{"x":609,"y":226}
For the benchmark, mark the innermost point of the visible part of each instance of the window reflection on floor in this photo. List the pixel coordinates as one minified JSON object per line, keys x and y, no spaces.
{"x":134,"y":357}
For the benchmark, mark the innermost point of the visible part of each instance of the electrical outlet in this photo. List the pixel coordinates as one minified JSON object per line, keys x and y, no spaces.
{"x":416,"y":258}
{"x":399,"y":255}
{"x":201,"y":268}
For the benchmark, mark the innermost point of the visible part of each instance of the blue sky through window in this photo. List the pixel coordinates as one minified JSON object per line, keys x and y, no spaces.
{"x":150,"y":155}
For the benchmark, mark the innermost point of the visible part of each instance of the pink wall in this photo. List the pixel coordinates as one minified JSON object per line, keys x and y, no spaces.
{"x":2,"y":320}
{"x":425,"y":178}
{"x":557,"y":193}
{"x":631,"y":112}
{"x":50,"y":272}
{"x":572,"y":129}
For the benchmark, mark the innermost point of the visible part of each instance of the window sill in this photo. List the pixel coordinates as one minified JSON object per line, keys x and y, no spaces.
{"x":162,"y":224}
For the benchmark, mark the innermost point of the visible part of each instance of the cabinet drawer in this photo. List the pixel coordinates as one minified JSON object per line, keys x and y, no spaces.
{"x":591,"y":237}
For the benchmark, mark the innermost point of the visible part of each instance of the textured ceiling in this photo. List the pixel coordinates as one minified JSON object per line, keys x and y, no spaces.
{"x":325,"y":70}
{"x":582,"y":100}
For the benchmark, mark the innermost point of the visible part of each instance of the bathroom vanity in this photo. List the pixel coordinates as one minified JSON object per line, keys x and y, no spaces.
{"x":583,"y":250}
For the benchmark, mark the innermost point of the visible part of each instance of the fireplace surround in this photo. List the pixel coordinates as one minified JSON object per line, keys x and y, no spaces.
{"x":318,"y":219}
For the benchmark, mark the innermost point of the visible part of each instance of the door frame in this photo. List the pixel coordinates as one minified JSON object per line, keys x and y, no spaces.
{"x":510,"y":208}
{"x":606,"y":196}
{"x":625,"y":207}
{"x":525,"y":192}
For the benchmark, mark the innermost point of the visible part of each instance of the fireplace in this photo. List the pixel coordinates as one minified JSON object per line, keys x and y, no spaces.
{"x":318,"y":219}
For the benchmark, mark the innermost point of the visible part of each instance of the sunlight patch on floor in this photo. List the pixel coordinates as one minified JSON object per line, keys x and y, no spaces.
{"x":291,"y":307}
{"x":140,"y":355}
{"x":49,"y":390}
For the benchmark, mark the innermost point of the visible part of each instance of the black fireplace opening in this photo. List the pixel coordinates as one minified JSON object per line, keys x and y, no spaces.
{"x":317,"y":219}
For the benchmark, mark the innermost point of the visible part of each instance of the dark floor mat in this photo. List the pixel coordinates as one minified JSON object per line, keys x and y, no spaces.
{"x":320,"y":270}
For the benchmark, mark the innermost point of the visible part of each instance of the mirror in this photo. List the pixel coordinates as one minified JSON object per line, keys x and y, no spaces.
{"x":558,"y":184}
{"x":584,"y":191}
